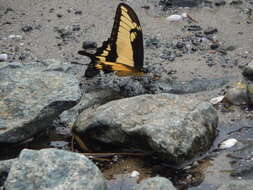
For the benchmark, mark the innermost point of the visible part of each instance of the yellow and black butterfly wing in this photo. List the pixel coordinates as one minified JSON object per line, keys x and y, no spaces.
{"x":123,"y":51}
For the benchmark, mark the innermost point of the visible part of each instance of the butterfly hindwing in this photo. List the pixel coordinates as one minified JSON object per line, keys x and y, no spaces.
{"x":123,"y":51}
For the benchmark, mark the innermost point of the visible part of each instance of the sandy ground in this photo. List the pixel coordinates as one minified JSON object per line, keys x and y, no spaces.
{"x":94,"y":20}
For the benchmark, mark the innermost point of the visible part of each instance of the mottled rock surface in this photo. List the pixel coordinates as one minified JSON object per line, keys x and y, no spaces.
{"x":155,"y":183}
{"x":53,"y":169}
{"x":32,"y":96}
{"x":174,"y":127}
{"x":237,"y":185}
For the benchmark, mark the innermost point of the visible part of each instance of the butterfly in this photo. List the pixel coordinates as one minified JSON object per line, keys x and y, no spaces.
{"x":123,"y":51}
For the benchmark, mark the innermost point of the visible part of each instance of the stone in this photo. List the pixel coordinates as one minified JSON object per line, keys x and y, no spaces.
{"x":32,"y":96}
{"x":174,"y":127}
{"x":155,"y":183}
{"x":53,"y":169}
{"x":237,"y":95}
{"x":210,"y":30}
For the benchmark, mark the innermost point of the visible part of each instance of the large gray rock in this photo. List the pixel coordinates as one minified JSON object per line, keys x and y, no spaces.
{"x":237,"y":185}
{"x":32,"y":96}
{"x":174,"y":127}
{"x":155,"y":183}
{"x":53,"y":169}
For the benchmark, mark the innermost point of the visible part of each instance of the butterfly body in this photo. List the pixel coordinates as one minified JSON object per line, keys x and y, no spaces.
{"x":123,"y":51}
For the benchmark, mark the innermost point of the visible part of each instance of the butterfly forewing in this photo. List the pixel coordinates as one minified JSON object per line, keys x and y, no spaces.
{"x":123,"y":51}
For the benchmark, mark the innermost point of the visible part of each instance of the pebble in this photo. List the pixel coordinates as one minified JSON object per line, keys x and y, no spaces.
{"x":228,"y":143}
{"x":237,"y":95}
{"x":214,"y":46}
{"x":177,"y":18}
{"x":59,"y":15}
{"x":194,"y":28}
{"x":3,"y":57}
{"x":89,"y":45}
{"x":180,"y":45}
{"x":248,"y":71}
{"x":13,"y":36}
{"x":220,"y":2}
{"x":236,"y":2}
{"x":77,"y":12}
{"x":76,"y":27}
{"x":210,"y":30}
{"x":216,"y":100}
{"x":8,"y":10}
{"x":135,"y":174}
{"x":27,"y":28}
{"x":58,"y":144}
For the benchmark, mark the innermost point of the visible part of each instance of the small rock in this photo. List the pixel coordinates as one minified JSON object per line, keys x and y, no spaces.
{"x":59,"y":15}
{"x":3,"y":57}
{"x":219,"y":2}
{"x":194,"y":28}
{"x":51,"y":10}
{"x":135,"y":174}
{"x":8,"y":10}
{"x":64,"y":33}
{"x":228,"y":143}
{"x":248,"y":71}
{"x":27,"y":28}
{"x":216,"y":100}
{"x":13,"y":36}
{"x":176,"y":18}
{"x":180,"y":45}
{"x":152,"y":42}
{"x":210,"y":30}
{"x":230,"y":48}
{"x":23,"y":56}
{"x":155,"y":183}
{"x":237,"y":95}
{"x":214,"y":46}
{"x":89,"y":45}
{"x":58,"y":144}
{"x":76,"y":27}
{"x":78,"y":12}
{"x":250,"y":92}
{"x":236,"y":2}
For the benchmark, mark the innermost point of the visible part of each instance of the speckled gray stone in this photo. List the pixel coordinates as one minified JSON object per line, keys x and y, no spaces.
{"x":174,"y":127}
{"x":53,"y":169}
{"x":155,"y":183}
{"x":32,"y":96}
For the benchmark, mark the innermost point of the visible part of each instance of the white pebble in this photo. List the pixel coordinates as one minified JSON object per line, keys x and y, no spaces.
{"x":134,"y":174}
{"x":216,"y":100}
{"x":13,"y":36}
{"x":228,"y":143}
{"x":175,"y":18}
{"x":3,"y":57}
